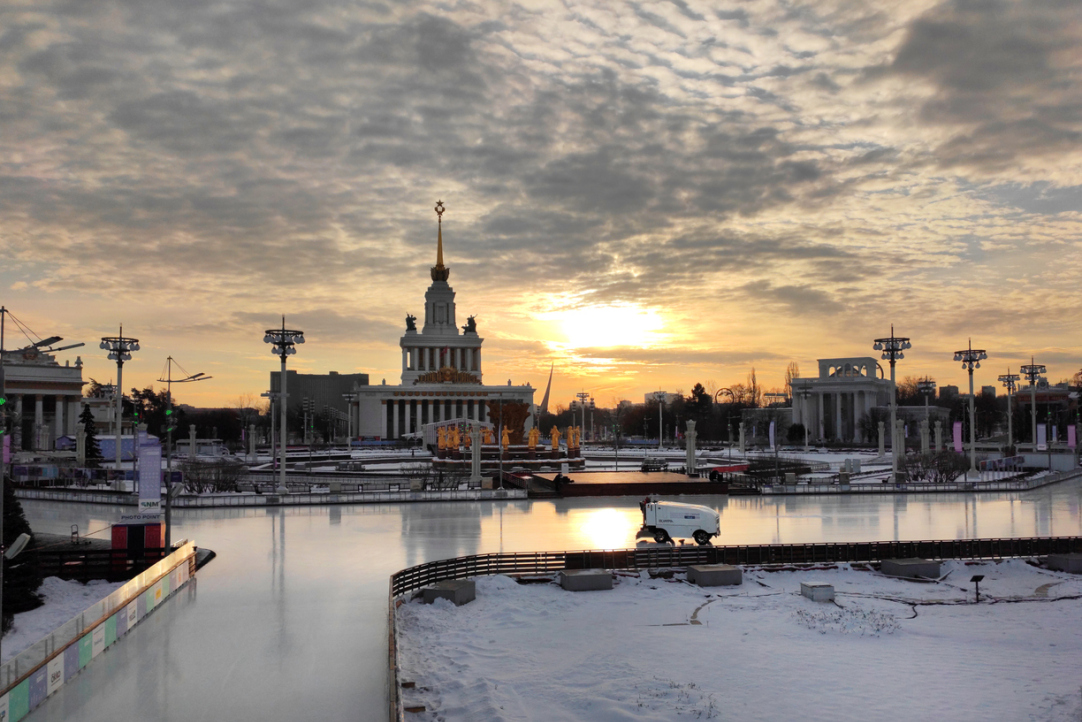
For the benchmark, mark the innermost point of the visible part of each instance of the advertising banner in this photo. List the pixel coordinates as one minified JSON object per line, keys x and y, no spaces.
{"x":771,"y":434}
{"x":150,"y":476}
{"x":1042,"y":440}
{"x":958,"y":436}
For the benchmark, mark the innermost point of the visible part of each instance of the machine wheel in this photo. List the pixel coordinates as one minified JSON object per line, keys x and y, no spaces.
{"x":661,"y":536}
{"x":701,"y":537}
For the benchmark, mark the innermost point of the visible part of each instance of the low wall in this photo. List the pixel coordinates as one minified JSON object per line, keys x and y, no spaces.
{"x":226,"y":500}
{"x":30,"y":677}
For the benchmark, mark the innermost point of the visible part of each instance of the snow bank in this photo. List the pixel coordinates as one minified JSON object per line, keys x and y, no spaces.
{"x":657,"y":649}
{"x":64,"y":599}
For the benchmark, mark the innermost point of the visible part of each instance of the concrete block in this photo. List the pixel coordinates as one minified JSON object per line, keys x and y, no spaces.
{"x":817,"y":591}
{"x":586,"y":580}
{"x":911,"y":568}
{"x":1066,"y":563}
{"x":459,"y":591}
{"x":715,"y":575}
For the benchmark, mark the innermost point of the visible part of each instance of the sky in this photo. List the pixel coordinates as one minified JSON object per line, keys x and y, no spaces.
{"x":647,"y":195}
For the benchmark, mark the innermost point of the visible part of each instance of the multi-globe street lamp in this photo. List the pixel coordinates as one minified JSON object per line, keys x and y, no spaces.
{"x":660,"y":396}
{"x":120,"y":349}
{"x":728,"y":429}
{"x":892,"y":348}
{"x":169,"y":426}
{"x":582,"y":404}
{"x":1010,"y":381}
{"x":927,"y":390}
{"x":349,"y":399}
{"x":971,"y":358}
{"x":1032,"y":371}
{"x":284,"y":342}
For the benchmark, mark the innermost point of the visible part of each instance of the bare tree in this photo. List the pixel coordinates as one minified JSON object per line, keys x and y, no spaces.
{"x":791,"y":372}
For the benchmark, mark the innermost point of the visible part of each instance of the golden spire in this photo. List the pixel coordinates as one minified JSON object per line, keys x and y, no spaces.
{"x":439,"y":271}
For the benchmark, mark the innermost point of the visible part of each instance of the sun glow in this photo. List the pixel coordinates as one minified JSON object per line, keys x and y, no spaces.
{"x":608,"y":529}
{"x":607,"y":326}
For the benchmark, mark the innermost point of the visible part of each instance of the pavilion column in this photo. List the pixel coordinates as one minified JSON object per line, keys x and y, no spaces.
{"x":383,"y":419}
{"x":73,"y":416}
{"x":394,"y":421}
{"x":58,"y":417}
{"x":405,"y":360}
{"x":408,"y":409}
{"x":837,"y":417}
{"x":39,"y":419}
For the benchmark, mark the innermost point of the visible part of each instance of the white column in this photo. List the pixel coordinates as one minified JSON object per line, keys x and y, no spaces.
{"x":856,"y":421}
{"x":39,"y":416}
{"x":404,"y":361}
{"x":406,"y":429}
{"x":382,"y":418}
{"x":58,"y":418}
{"x":394,"y":420}
{"x":837,"y":417}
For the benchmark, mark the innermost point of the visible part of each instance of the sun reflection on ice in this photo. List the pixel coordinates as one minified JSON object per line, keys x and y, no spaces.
{"x":609,"y":528}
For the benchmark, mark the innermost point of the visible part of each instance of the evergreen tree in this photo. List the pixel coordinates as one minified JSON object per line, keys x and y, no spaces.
{"x":21,"y":575}
{"x":93,"y":451}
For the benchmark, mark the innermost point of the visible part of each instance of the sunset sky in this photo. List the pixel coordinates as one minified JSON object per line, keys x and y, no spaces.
{"x":648,"y":195}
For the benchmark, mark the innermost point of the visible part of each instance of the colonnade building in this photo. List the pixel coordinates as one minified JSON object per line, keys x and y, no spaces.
{"x":44,"y":399}
{"x":831,"y":406}
{"x":442,"y":373}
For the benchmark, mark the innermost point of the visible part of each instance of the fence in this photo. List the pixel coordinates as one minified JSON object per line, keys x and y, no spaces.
{"x":86,"y":564}
{"x":1026,"y":484}
{"x":37,"y":672}
{"x":423,"y":575}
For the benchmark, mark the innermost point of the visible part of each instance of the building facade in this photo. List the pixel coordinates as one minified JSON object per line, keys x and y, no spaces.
{"x":442,"y":371}
{"x":831,"y":406}
{"x":43,"y":398}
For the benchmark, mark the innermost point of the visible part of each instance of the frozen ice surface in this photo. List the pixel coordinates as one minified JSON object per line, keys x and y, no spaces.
{"x":656,"y":649}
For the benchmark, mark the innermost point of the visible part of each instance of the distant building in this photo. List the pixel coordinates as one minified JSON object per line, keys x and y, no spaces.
{"x":946,"y":393}
{"x":324,"y":390}
{"x":988,"y":391}
{"x":43,"y":397}
{"x":831,"y":406}
{"x":651,"y":398}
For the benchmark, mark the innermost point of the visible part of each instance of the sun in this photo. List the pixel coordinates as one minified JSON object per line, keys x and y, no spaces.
{"x":607,"y":326}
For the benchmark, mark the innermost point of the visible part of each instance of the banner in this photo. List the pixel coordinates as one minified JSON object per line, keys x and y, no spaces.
{"x":150,"y":476}
{"x":771,"y":434}
{"x":1072,"y":437}
{"x":1042,"y":440}
{"x":958,"y":436}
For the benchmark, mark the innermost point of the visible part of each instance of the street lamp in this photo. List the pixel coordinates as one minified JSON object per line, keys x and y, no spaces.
{"x":271,"y":397}
{"x":284,"y":342}
{"x":169,"y":381}
{"x":728,"y":429}
{"x":660,"y":396}
{"x":119,"y":349}
{"x":892,"y":348}
{"x":349,"y":398}
{"x":971,"y":358}
{"x":1032,"y":372}
{"x":805,"y":394}
{"x":1010,"y":381}
{"x":927,"y":390}
{"x":582,"y":396}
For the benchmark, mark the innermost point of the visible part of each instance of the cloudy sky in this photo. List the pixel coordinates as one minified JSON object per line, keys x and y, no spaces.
{"x":647,"y":194}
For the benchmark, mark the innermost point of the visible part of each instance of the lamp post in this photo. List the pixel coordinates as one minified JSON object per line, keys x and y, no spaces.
{"x":805,"y":394}
{"x":728,"y":429}
{"x":582,"y":396}
{"x":271,"y":397}
{"x":284,"y":343}
{"x":660,"y":396}
{"x":169,"y":381}
{"x":971,"y":358}
{"x":892,"y":348}
{"x":349,"y":398}
{"x":1032,"y":372}
{"x":119,"y":349}
{"x":1010,"y":381}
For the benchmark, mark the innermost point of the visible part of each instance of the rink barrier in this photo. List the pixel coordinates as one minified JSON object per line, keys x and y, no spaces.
{"x":654,"y":557}
{"x":30,"y":677}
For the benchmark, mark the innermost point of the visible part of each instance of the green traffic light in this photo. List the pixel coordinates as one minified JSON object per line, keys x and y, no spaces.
{"x":168,"y":412}
{"x":3,"y":400}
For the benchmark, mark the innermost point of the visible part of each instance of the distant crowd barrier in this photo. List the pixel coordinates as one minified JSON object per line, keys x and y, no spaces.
{"x":35,"y":673}
{"x":655,"y":557}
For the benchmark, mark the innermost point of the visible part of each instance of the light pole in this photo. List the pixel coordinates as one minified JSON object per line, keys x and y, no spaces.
{"x":582,"y":396}
{"x":971,"y":358}
{"x":660,"y":396}
{"x":349,"y":398}
{"x":1032,"y":372}
{"x":169,"y":381}
{"x":927,"y":390}
{"x":284,"y":342}
{"x":805,"y":394}
{"x":892,"y":348}
{"x":119,"y":349}
{"x":728,"y":430}
{"x":271,"y":396}
{"x":1010,"y":381}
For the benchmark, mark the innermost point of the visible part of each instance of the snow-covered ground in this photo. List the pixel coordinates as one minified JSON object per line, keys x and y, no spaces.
{"x":64,"y":599}
{"x":662,"y":649}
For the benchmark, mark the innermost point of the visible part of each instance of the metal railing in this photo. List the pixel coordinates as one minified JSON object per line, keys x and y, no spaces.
{"x":414,"y":578}
{"x":86,"y":564}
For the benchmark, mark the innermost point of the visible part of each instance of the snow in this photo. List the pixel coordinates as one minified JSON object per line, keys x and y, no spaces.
{"x":64,"y":599}
{"x":662,"y":649}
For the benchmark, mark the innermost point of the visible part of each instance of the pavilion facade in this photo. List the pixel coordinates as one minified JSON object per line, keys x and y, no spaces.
{"x":831,"y":406}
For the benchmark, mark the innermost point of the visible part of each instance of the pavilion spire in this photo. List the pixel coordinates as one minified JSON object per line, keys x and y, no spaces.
{"x":440,"y":272}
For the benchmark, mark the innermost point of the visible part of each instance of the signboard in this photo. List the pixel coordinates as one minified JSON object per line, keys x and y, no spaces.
{"x":1042,"y":440}
{"x":958,"y":436}
{"x":150,"y":477}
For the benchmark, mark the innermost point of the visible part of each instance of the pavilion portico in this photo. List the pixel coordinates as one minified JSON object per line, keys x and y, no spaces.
{"x":831,"y":406}
{"x":45,"y":398}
